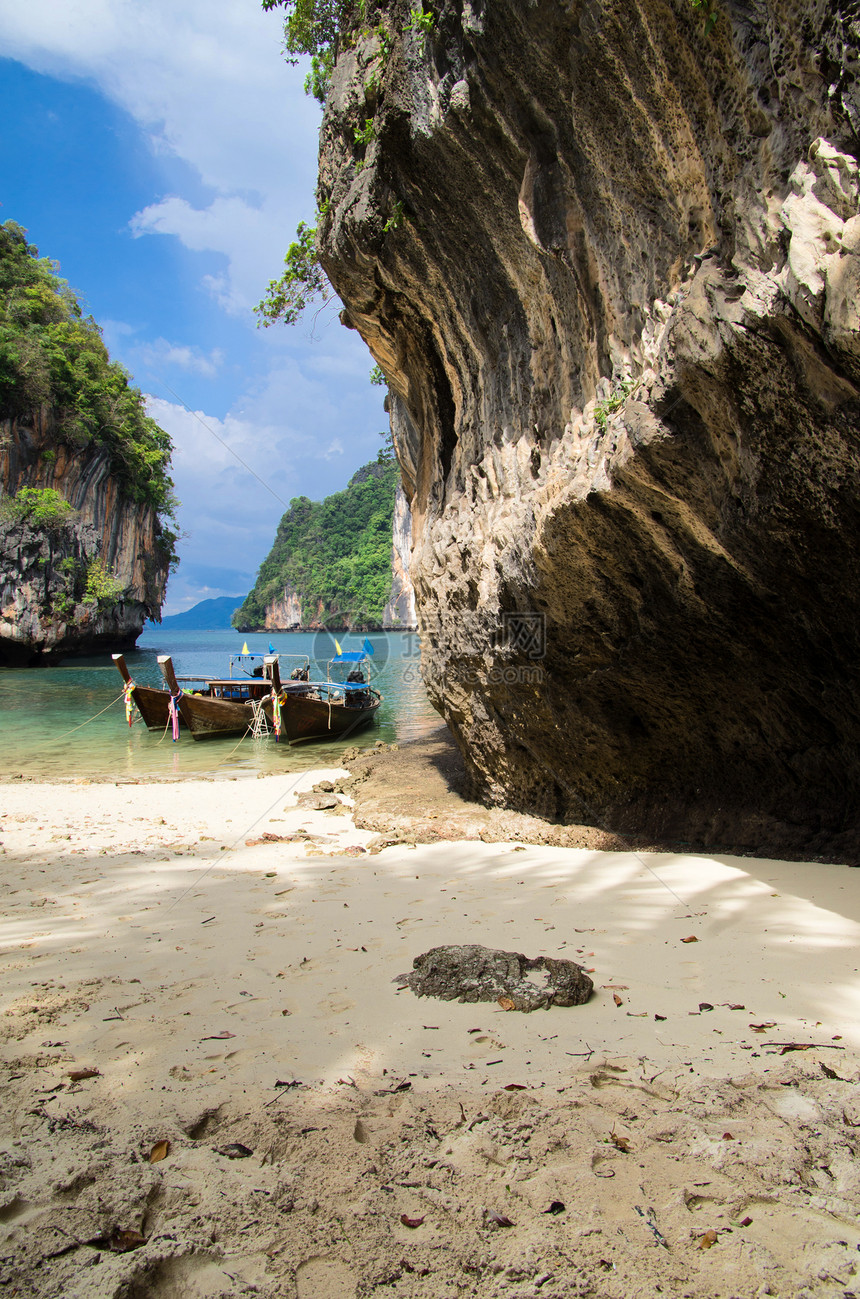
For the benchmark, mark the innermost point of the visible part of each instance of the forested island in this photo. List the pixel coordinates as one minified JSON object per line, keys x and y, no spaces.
{"x":85,"y":497}
{"x":330,"y":564}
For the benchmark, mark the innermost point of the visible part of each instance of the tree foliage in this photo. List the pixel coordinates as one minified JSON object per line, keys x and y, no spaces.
{"x":41,"y":507}
{"x":336,"y":552}
{"x":312,"y":27}
{"x":102,"y":588}
{"x":302,"y":282}
{"x":53,"y":355}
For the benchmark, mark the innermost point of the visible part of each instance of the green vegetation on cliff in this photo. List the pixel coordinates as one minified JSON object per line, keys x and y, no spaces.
{"x":335,"y":554}
{"x":52,"y":355}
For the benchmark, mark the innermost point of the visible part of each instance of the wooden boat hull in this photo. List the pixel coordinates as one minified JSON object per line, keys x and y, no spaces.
{"x":209,"y":718}
{"x":306,"y":717}
{"x":216,"y":714}
{"x":151,"y":703}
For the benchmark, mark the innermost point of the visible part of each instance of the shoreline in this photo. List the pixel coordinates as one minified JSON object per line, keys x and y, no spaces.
{"x":226,"y":961}
{"x":417,"y":792}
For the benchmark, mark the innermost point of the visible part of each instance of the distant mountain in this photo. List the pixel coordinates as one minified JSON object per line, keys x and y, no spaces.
{"x":208,"y":615}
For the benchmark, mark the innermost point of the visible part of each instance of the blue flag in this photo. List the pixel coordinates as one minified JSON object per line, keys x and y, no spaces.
{"x":271,"y":648}
{"x":367,"y":647}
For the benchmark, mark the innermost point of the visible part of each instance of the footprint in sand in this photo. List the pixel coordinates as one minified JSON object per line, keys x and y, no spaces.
{"x":337,"y":1005}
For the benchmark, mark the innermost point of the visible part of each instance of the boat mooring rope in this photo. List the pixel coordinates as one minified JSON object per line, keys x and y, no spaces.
{"x":90,"y":719}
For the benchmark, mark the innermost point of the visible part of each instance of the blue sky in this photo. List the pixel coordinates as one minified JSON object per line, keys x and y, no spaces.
{"x":163,"y":152}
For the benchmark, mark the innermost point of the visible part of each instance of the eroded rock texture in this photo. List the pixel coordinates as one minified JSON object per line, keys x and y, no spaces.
{"x":610,"y":267}
{"x":471,"y":972}
{"x":43,"y":571}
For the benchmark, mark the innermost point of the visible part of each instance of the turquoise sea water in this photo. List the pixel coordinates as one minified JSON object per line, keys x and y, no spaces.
{"x":50,"y":725}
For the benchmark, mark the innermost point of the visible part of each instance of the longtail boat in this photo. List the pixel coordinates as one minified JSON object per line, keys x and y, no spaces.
{"x":225,"y":706}
{"x":331,"y":709}
{"x":152,"y":704}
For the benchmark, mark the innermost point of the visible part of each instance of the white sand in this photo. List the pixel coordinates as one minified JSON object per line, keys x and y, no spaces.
{"x":143,"y":938}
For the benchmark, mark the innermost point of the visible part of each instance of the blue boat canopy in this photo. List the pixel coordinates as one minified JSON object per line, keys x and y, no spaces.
{"x":349,"y":656}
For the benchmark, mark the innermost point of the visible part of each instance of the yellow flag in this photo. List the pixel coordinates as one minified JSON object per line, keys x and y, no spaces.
{"x":338,"y":648}
{"x":245,"y":649}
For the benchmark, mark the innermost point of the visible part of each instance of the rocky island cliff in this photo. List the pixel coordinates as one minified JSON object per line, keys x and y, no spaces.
{"x":334,"y":563}
{"x":607,"y":254}
{"x":85,"y":500}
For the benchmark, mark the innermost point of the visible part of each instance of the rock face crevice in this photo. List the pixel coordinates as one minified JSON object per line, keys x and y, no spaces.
{"x":610,"y":266}
{"x":43,"y":614}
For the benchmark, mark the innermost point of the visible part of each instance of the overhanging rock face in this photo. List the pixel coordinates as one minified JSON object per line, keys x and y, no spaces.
{"x":610,"y":266}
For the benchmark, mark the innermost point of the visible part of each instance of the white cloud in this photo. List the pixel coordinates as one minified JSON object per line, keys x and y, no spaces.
{"x":118,"y":328}
{"x":236,"y":476}
{"x":191,"y":359}
{"x":206,"y":81}
{"x":209,"y":451}
{"x":246,"y":235}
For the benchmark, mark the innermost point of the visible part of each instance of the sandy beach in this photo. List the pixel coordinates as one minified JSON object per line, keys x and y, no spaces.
{"x":267,"y":1112}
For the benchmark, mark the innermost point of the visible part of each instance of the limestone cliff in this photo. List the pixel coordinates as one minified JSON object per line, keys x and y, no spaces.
{"x":609,"y":264}
{"x":80,"y":584}
{"x":400,"y":609}
{"x":284,"y":612}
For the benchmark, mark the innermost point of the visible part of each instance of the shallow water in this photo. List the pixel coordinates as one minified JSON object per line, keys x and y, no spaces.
{"x":69,"y":720}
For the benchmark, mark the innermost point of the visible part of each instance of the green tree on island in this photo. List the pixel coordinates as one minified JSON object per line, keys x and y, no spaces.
{"x":335,"y":552}
{"x":51,"y":354}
